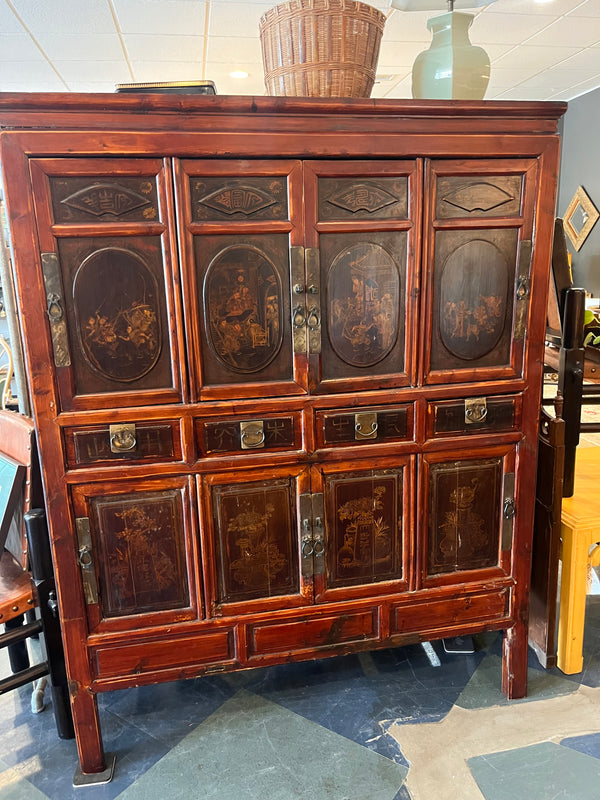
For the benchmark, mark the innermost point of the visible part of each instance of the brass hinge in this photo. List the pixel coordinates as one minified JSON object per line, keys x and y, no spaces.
{"x":522,"y":287}
{"x":306,"y":303}
{"x":312,"y":542}
{"x":86,"y":560}
{"x":55,"y":310}
{"x":298,"y":299}
{"x":508,"y":511}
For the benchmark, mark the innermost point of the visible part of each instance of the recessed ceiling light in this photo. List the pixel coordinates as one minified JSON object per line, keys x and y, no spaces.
{"x":238,"y":73}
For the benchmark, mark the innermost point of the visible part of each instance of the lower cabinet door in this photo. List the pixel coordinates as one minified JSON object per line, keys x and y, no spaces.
{"x":467,"y":525}
{"x":363,"y":535}
{"x":251,"y":538}
{"x":136,"y":544}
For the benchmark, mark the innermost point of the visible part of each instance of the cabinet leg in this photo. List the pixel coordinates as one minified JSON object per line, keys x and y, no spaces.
{"x":514,"y":661}
{"x":573,"y":589}
{"x":94,"y":766}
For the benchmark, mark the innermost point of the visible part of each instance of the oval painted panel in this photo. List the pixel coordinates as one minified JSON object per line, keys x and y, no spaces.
{"x":473,"y":299}
{"x":118,"y":317}
{"x":363,"y":296}
{"x":243,"y":309}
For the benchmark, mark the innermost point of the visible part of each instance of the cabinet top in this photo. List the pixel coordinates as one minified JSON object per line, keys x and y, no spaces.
{"x":159,"y":111}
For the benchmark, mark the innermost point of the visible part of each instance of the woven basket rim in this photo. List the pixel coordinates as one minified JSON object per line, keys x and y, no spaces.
{"x":295,"y":8}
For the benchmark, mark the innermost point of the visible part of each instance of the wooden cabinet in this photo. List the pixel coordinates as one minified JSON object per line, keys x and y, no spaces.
{"x":285,"y":363}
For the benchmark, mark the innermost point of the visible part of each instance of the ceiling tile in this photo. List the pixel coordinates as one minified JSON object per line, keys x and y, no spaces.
{"x":164,"y":48}
{"x":44,"y":16}
{"x":81,"y":46}
{"x":23,"y":71}
{"x":116,"y":71}
{"x":233,"y":49}
{"x":555,"y":80}
{"x":508,"y":28}
{"x":176,"y":17}
{"x":239,"y":17}
{"x":9,"y":23}
{"x":577,"y":31}
{"x":556,"y":7}
{"x":19,"y":47}
{"x":589,"y":9}
{"x":530,"y":57}
{"x":151,"y":71}
{"x":392,"y":56}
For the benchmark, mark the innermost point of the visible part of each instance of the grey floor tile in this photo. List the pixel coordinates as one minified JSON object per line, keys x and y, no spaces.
{"x":539,"y":772}
{"x":253,"y":749}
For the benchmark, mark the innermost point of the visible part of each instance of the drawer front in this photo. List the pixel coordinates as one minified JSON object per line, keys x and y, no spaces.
{"x":209,"y":648}
{"x":473,"y":415}
{"x":365,"y":425}
{"x":306,"y":634}
{"x":438,"y":614}
{"x":242,"y":434}
{"x":105,"y":444}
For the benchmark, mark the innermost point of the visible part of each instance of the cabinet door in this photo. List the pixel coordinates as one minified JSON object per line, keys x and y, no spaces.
{"x":362,"y":535}
{"x":478,"y":250}
{"x":112,"y":312}
{"x":136,"y":544}
{"x":251,"y":532}
{"x":240,"y":224}
{"x":467,"y":508}
{"x":361,"y":219}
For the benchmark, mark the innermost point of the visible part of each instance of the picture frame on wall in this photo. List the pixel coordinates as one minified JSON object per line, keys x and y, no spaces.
{"x":12,"y":477}
{"x":580,"y":217}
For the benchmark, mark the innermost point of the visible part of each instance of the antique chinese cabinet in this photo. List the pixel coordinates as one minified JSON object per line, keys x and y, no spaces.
{"x":285,"y":360}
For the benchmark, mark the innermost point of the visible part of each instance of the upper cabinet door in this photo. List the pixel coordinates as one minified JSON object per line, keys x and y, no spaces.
{"x":106,"y":257}
{"x":361,"y":219}
{"x":240,"y":231}
{"x":479,"y":221}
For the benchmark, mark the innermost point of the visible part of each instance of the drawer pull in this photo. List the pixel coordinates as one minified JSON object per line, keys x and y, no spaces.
{"x":365,"y":425}
{"x":122,"y":438}
{"x":314,"y":318}
{"x":475,"y":410}
{"x":86,"y":559}
{"x":252,"y":435}
{"x":299,"y":318}
{"x":55,"y":311}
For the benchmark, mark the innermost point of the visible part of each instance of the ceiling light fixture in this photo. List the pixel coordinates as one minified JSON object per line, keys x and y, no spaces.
{"x":452,"y":68}
{"x":238,"y":73}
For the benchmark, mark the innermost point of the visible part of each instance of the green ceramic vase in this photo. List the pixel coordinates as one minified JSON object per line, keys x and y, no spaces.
{"x":452,"y":68}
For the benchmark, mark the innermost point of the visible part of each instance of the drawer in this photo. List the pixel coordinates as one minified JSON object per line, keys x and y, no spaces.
{"x":135,"y":659}
{"x":473,"y":415}
{"x":302,"y":634}
{"x":241,"y":434}
{"x":140,"y":441}
{"x":365,"y":425}
{"x":439,"y":614}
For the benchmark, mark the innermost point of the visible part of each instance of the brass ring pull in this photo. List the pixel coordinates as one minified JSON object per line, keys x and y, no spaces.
{"x":252,"y":438}
{"x":308,"y":547}
{"x":54,"y":308}
{"x":509,"y":510}
{"x":371,"y":432}
{"x":318,"y":548}
{"x":522,"y":288}
{"x":123,"y":441}
{"x":476,"y":413}
{"x":314,"y":318}
{"x":85,"y":557}
{"x":299,"y":317}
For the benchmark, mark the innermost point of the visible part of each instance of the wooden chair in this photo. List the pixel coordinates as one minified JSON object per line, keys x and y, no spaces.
{"x":30,"y":592}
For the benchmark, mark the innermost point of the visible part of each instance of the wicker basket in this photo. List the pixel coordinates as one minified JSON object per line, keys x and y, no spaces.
{"x":321,"y":48}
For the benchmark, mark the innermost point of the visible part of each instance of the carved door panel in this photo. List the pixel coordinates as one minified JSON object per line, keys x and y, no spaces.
{"x":136,"y":545}
{"x":360,"y":237}
{"x":106,"y":258}
{"x":361,"y":528}
{"x":251,"y":533}
{"x":240,"y":223}
{"x":479,"y":227}
{"x":467,"y":522}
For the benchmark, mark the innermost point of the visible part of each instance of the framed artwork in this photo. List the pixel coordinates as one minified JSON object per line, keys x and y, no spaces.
{"x":12,"y":476}
{"x":580,"y":217}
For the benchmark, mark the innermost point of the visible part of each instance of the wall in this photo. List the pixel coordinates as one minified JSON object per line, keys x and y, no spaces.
{"x":580,"y":166}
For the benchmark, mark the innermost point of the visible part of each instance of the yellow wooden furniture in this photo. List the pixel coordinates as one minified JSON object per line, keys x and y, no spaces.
{"x":580,"y":532}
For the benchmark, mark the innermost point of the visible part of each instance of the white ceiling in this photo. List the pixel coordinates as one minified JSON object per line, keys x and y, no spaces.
{"x":539,"y":51}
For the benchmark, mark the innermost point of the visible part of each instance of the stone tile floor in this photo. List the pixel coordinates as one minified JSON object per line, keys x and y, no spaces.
{"x":399,"y":724}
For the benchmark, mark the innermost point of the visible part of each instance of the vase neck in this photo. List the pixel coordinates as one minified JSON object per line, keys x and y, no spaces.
{"x":451,"y":28}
